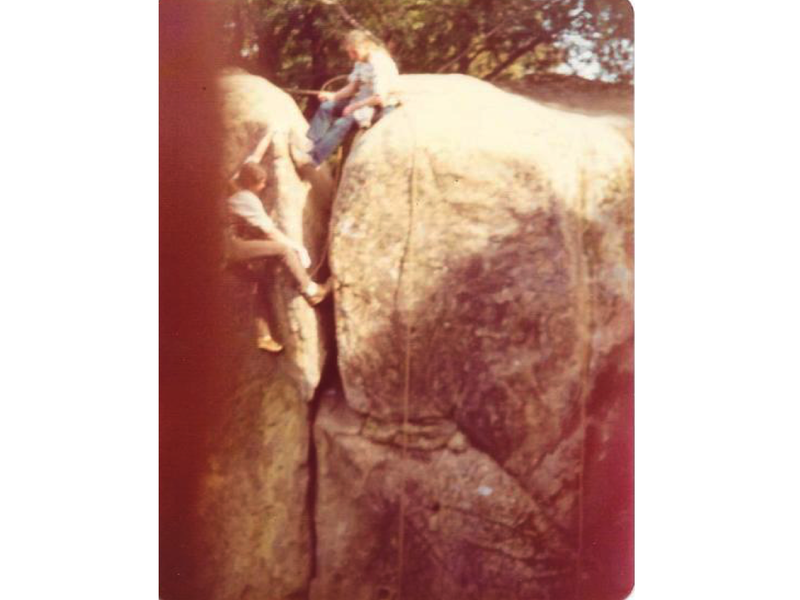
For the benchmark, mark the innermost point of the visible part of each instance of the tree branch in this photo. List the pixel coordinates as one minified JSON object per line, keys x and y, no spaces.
{"x":512,"y":58}
{"x":468,"y":48}
{"x":350,"y":19}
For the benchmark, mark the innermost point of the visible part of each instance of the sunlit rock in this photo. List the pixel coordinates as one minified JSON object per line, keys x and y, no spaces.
{"x":483,"y":246}
{"x":256,"y":534}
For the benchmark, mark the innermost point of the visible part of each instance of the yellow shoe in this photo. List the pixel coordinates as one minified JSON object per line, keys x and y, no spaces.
{"x":266,"y":342}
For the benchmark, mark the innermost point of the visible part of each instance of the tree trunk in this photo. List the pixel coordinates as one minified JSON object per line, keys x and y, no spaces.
{"x":512,"y":58}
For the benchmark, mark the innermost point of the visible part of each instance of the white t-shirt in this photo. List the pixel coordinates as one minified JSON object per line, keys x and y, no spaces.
{"x":246,"y":205}
{"x":378,"y":75}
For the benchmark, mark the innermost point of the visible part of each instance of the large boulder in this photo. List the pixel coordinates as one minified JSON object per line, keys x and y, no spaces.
{"x":300,"y":207}
{"x":483,"y":247}
{"x":253,"y":498}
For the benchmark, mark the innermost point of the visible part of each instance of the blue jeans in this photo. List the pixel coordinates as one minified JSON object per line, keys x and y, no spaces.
{"x":328,"y":129}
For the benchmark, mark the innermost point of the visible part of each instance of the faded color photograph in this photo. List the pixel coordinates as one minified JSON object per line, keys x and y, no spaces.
{"x":396,"y":300}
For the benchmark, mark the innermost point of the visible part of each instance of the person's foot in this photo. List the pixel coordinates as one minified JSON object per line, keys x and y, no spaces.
{"x":303,"y":161}
{"x":269,"y":344}
{"x":319,"y":294}
{"x":301,"y":154}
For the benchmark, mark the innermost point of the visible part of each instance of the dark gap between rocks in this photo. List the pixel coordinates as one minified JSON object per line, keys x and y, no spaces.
{"x":330,"y":383}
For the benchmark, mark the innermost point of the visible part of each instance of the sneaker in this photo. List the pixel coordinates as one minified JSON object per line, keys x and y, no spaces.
{"x":303,"y":161}
{"x":269,"y":344}
{"x":302,"y":158}
{"x":323,"y":289}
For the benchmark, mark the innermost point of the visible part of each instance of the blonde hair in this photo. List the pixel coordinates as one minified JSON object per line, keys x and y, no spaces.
{"x":358,"y":38}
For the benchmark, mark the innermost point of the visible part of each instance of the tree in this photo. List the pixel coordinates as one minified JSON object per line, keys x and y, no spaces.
{"x":296,"y":43}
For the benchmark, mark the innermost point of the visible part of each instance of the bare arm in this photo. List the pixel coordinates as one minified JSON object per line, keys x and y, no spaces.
{"x":239,"y":249}
{"x":276,"y":235}
{"x":384,"y":83}
{"x":261,"y":149}
{"x":346,"y":92}
{"x":255,"y":156}
{"x":247,"y":206}
{"x":374,"y":100}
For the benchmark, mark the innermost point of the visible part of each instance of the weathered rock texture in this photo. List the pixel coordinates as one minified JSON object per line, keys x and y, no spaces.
{"x":253,"y":498}
{"x":483,"y":247}
{"x":301,"y":210}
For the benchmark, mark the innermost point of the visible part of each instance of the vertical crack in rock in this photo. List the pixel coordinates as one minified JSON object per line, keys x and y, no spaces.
{"x":520,"y":288}
{"x":329,"y":383}
{"x":519,"y":294}
{"x":583,"y":268}
{"x":311,"y":492}
{"x":256,"y":480}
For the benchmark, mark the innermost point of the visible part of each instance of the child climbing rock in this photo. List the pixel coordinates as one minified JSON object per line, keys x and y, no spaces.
{"x":372,"y":86}
{"x":255,"y":235}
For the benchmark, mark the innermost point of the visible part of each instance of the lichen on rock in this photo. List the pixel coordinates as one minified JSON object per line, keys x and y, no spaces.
{"x":479,"y":446}
{"x":256,"y":524}
{"x":482,"y":245}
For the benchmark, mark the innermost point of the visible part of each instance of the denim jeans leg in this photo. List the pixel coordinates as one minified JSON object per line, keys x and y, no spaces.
{"x":324,"y":147}
{"x":323,"y":118}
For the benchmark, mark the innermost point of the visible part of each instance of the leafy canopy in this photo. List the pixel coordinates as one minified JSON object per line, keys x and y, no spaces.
{"x":296,"y":43}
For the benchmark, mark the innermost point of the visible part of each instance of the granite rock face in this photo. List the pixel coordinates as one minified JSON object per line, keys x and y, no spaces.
{"x":480,"y":446}
{"x":300,"y":208}
{"x":483,"y":246}
{"x":253,"y":499}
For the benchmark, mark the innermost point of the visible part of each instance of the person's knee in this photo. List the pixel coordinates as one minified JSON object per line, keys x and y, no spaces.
{"x":328,"y":106}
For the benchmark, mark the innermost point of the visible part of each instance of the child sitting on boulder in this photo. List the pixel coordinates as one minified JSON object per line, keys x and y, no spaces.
{"x":371,"y":85}
{"x":255,"y":235}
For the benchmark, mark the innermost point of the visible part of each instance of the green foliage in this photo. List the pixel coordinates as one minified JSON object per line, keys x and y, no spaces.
{"x":296,"y":43}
